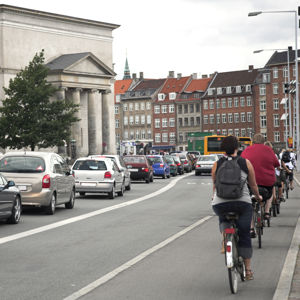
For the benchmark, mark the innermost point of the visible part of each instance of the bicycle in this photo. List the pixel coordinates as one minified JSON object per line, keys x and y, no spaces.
{"x":258,"y":219}
{"x":266,"y":194}
{"x":286,"y":185}
{"x":233,"y":261}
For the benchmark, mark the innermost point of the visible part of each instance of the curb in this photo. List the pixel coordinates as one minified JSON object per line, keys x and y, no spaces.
{"x":284,"y":285}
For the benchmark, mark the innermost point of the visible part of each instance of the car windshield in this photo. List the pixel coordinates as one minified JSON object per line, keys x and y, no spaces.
{"x":22,"y":164}
{"x":170,"y":160}
{"x":134,"y":159}
{"x":92,"y":165}
{"x":207,"y":158}
{"x":155,"y":160}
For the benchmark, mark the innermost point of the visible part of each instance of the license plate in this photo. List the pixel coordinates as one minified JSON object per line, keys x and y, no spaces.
{"x":88,"y":184}
{"x":22,"y":187}
{"x":133,"y":170}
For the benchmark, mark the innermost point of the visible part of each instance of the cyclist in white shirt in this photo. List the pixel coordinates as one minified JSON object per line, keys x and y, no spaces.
{"x":290,"y":164}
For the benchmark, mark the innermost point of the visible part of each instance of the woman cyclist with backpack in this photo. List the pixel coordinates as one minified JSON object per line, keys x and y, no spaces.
{"x":240,"y":201}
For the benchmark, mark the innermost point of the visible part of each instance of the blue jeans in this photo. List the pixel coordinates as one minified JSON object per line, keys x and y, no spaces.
{"x":244,"y":210}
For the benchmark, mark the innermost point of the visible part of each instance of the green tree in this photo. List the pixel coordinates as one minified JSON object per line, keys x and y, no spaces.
{"x":28,"y":118}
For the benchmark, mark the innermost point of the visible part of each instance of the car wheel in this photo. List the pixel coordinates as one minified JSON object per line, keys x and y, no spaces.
{"x":164,"y":176}
{"x":15,"y":212}
{"x":196,"y":173}
{"x":121,"y":193}
{"x":81,"y":193}
{"x":111,"y":194}
{"x":151,"y":178}
{"x":147,"y":180}
{"x":71,"y":203}
{"x":128,"y":187}
{"x":169,"y":175}
{"x":50,"y":209}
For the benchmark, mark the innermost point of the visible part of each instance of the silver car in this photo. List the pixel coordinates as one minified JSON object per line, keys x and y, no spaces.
{"x":122,"y":166}
{"x":98,"y":175}
{"x":205,"y":163}
{"x":43,"y":178}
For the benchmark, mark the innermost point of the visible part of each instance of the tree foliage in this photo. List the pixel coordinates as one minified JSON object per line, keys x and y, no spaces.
{"x":29,"y":117}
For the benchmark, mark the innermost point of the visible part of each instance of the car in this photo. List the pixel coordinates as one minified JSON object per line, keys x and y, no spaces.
{"x":205,"y":163}
{"x":185,"y":160}
{"x":172,"y":164}
{"x":98,"y":175}
{"x":10,"y":201}
{"x":122,"y":166}
{"x":139,"y":167}
{"x":179,"y":164}
{"x":43,"y":178}
{"x":220,"y":155}
{"x":196,"y":153}
{"x":159,"y":165}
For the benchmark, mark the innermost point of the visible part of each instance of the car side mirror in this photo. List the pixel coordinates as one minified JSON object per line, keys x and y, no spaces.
{"x":68,"y":173}
{"x":9,"y":184}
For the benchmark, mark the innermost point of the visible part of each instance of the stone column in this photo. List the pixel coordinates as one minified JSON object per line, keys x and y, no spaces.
{"x":76,"y":128}
{"x":84,"y":123}
{"x":61,"y":95}
{"x":108,"y":123}
{"x":93,"y":115}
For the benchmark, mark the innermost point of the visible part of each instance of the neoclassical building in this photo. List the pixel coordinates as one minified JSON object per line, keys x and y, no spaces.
{"x":78,"y":53}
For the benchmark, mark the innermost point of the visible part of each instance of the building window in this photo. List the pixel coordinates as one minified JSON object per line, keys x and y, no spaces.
{"x":137,"y":120}
{"x":142,"y":119}
{"x":172,"y":138}
{"x":276,"y":136}
{"x":164,"y":122}
{"x":148,"y":105}
{"x":186,"y":108}
{"x":137,"y":106}
{"x":180,"y":122}
{"x":172,"y":96}
{"x":210,"y":91}
{"x":230,"y":131}
{"x":171,"y":122}
{"x":219,"y":91}
{"x":224,"y":118}
{"x":165,"y":137}
{"x":285,"y":72}
{"x":157,"y":123}
{"x":164,"y":109}
{"x":125,"y":107}
{"x":143,"y":134}
{"x":198,"y":120}
{"x":118,"y":98}
{"x":238,"y":89}
{"x":205,"y":104}
{"x":116,"y":109}
{"x":196,"y":95}
{"x":294,"y":71}
{"x":248,"y":88}
{"x":186,"y":121}
{"x":242,"y":101}
{"x":262,"y":89}
{"x":148,"y":119}
{"x":130,"y":106}
{"x":180,"y":109}
{"x":192,"y":108}
{"x":275,"y":88}
{"x":276,"y":120}
{"x":142,"y":105}
{"x":125,"y":120}
{"x":223,"y":103}
{"x":117,"y":123}
{"x":229,"y":118}
{"x":249,"y":101}
{"x":197,"y":107}
{"x":243,"y":117}
{"x":229,"y":102}
{"x":126,"y":134}
{"x":157,"y":137}
{"x":236,"y":132}
{"x":205,"y":119}
{"x":137,"y":134}
{"x":236,"y":118}
{"x":192,"y":121}
{"x":157,"y":109}
{"x":149,"y":134}
{"x":263,"y":122}
{"x":211,"y":119}
{"x":228,"y":90}
{"x":217,"y":103}
{"x":249,"y":116}
{"x":236,"y":102}
{"x":161,"y":97}
{"x":243,"y":132}
{"x":171,"y":108}
{"x":275,"y":103}
{"x":224,"y":131}
{"x":132,"y":135}
{"x":211,"y":104}
{"x":262,"y":105}
{"x":130,"y":120}
{"x":266,"y":78}
{"x":275,"y":72}
{"x":218,"y":119}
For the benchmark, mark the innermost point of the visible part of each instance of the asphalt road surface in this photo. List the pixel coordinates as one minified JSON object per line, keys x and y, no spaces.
{"x":159,"y":241}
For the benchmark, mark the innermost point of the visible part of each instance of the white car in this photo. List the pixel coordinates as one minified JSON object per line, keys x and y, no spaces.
{"x":205,"y":163}
{"x":98,"y":175}
{"x":122,"y":166}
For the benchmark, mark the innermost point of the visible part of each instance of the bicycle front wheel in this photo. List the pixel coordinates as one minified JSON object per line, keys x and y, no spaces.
{"x":259,"y":232}
{"x":233,"y":279}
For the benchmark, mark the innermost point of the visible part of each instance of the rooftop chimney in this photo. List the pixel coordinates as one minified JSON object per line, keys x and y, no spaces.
{"x":250,"y":67}
{"x":204,"y":76}
{"x":179,"y":75}
{"x":171,"y":74}
{"x":194,"y":76}
{"x":141,"y":75}
{"x":134,"y":76}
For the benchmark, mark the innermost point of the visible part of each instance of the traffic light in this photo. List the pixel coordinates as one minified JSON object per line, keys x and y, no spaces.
{"x":286,"y":88}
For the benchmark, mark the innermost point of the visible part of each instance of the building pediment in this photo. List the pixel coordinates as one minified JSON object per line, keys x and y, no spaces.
{"x":80,"y":64}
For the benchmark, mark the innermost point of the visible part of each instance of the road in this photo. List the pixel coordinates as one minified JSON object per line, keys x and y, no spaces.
{"x":159,"y":241}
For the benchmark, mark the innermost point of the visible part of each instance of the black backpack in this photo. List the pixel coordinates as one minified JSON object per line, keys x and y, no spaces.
{"x":229,"y":183}
{"x":286,"y":157}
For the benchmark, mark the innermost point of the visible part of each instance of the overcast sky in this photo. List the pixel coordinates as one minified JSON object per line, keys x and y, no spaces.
{"x":185,"y":36}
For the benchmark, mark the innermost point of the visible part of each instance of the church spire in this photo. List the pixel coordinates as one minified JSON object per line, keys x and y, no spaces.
{"x":126,"y":70}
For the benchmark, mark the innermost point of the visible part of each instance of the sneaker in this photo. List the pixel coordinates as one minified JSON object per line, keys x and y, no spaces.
{"x":282,"y":199}
{"x":252,"y":233}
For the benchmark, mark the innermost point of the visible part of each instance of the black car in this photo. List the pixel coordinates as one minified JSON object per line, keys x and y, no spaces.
{"x":10,"y":201}
{"x":180,"y":168}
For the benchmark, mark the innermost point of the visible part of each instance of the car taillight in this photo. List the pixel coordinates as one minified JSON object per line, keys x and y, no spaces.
{"x":198,"y":166}
{"x":145,"y":169}
{"x":178,"y":164}
{"x":107,"y":175}
{"x":73,"y":174}
{"x":185,"y":162}
{"x":161,"y":165}
{"x":46,"y":182}
{"x":172,"y":165}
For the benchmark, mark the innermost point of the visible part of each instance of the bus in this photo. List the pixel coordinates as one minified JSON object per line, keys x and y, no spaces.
{"x":212,"y":144}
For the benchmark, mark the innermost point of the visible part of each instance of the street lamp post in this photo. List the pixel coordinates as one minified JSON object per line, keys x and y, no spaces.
{"x":291,"y":133}
{"x":255,"y":13}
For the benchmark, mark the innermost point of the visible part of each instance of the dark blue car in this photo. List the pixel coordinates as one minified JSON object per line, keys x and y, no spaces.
{"x":159,"y":165}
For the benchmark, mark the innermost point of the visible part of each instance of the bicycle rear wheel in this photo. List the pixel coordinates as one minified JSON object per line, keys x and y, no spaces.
{"x":278,"y":208}
{"x":274,"y":210}
{"x":259,"y":233}
{"x":233,"y":276}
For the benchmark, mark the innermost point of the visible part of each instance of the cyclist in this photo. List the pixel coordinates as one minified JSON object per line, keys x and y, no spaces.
{"x":289,"y":158}
{"x":264,"y":162}
{"x":241,"y":205}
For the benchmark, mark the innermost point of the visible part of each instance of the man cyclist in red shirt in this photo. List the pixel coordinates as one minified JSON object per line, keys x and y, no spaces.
{"x":264,"y":162}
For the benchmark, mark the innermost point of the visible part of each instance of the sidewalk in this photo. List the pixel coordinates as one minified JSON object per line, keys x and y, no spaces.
{"x":288,"y":287}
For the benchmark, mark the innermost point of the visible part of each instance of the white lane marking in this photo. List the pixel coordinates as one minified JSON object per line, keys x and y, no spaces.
{"x":100,"y":281}
{"x":88,"y":215}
